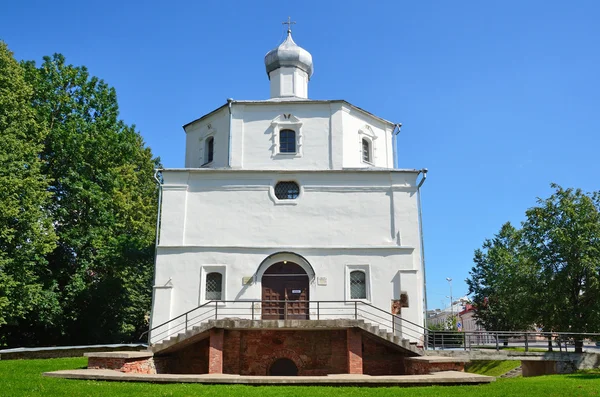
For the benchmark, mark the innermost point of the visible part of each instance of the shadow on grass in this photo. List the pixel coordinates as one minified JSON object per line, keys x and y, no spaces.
{"x":591,"y":374}
{"x":482,"y":366}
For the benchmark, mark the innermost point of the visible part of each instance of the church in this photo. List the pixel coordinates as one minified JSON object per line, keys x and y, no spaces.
{"x":291,"y":242}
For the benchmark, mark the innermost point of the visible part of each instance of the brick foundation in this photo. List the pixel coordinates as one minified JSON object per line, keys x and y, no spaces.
{"x":354,"y":345}
{"x":129,"y":365}
{"x":215,"y":351}
{"x":415,"y":367}
{"x":253,"y":352}
{"x":315,"y":353}
{"x":380,"y":359}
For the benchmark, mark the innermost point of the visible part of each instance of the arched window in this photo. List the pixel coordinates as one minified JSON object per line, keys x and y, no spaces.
{"x":210,"y":150}
{"x":358,"y":285}
{"x":366,"y":150}
{"x":287,"y":141}
{"x":214,"y":287}
{"x":287,"y":190}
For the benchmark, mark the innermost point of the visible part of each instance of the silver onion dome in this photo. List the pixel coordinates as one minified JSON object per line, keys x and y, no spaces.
{"x":289,"y":54}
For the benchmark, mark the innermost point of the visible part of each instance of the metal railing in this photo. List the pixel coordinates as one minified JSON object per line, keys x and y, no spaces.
{"x":359,"y":310}
{"x":526,"y":341}
{"x":286,"y":310}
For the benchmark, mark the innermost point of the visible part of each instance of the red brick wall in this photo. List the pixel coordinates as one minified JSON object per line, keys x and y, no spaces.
{"x":138,"y":366}
{"x":192,"y":359}
{"x":313,"y":352}
{"x":354,"y":343}
{"x":215,"y":351}
{"x":105,"y":363}
{"x":231,"y":352}
{"x":379,"y":359}
{"x":424,"y":368}
{"x":251,"y":352}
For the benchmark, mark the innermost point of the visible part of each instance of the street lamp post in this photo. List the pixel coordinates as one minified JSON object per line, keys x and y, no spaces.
{"x":449,"y":280}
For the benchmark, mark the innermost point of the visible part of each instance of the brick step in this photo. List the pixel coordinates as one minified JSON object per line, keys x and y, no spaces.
{"x":192,"y":333}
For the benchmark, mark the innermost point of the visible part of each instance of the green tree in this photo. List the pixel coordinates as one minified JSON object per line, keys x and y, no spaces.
{"x":547,"y":273}
{"x":103,"y":205}
{"x":562,"y":236}
{"x":26,"y":231}
{"x":500,"y":283}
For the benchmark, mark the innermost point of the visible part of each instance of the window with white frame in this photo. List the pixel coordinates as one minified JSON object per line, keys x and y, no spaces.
{"x":287,"y":141}
{"x":358,"y":285}
{"x":358,"y":282}
{"x":287,"y":190}
{"x":366,"y":143}
{"x":209,"y":150}
{"x":287,"y":136}
{"x":214,"y":287}
{"x":366,"y":151}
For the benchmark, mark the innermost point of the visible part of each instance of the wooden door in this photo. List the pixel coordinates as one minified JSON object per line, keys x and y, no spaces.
{"x":272,"y":291}
{"x":296,"y":299}
{"x":285,"y":292}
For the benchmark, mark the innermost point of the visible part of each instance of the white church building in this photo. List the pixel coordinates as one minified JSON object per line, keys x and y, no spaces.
{"x":290,"y":242}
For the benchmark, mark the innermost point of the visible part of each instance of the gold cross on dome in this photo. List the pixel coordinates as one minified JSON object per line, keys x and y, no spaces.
{"x":289,"y":23}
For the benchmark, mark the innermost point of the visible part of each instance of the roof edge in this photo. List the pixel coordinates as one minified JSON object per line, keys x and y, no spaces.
{"x":264,"y":102}
{"x":239,"y":170}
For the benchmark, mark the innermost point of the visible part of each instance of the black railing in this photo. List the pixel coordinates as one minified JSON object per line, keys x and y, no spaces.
{"x":359,"y":310}
{"x":286,"y":310}
{"x":526,"y":341}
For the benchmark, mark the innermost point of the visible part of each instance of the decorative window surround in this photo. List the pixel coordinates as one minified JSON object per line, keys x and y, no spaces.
{"x":277,"y":201}
{"x":203,"y":140}
{"x":286,"y":122}
{"x":204,"y":272}
{"x":366,"y":269}
{"x":366,"y":133}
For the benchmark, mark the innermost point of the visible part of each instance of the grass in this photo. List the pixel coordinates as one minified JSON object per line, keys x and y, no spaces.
{"x":23,"y":378}
{"x":491,"y":367}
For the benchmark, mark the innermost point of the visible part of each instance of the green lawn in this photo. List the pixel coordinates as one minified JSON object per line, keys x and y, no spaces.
{"x":23,"y":378}
{"x":491,"y":367}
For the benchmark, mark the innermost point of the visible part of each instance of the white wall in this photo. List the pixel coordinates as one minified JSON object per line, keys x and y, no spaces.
{"x":238,"y":208}
{"x":357,"y":125}
{"x":330,"y":135}
{"x":216,"y":125}
{"x":342,"y":218}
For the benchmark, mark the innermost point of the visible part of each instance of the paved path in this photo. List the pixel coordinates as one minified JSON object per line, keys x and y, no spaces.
{"x":439,"y":378}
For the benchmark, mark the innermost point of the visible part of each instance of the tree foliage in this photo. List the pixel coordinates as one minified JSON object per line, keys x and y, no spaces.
{"x":100,"y":198}
{"x":545,"y":274}
{"x":499,"y":282}
{"x":26,"y":232}
{"x":562,"y":237}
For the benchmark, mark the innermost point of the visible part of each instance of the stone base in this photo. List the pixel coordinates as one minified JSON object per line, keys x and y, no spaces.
{"x":439,"y":378}
{"x":268,"y":352}
{"x":431,"y":364}
{"x":128,"y":362}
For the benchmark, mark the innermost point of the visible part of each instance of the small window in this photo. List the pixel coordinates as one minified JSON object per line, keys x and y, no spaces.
{"x":214,"y":286}
{"x":287,"y":141}
{"x":210,"y":149}
{"x":287,"y":190}
{"x":366,"y":151}
{"x":358,"y":285}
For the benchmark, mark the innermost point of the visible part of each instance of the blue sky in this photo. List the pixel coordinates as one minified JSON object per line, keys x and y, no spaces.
{"x":496,"y":100}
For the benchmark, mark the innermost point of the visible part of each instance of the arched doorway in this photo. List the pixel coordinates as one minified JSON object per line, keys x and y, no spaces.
{"x":285,"y":292}
{"x":283,"y":367}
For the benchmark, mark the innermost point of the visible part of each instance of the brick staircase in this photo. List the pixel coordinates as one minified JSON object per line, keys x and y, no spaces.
{"x":201,"y":331}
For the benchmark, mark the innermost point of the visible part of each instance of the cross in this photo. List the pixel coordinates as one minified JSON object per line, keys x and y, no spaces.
{"x":289,"y":23}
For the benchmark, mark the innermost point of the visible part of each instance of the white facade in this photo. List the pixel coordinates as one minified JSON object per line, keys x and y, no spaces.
{"x":353,"y":210}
